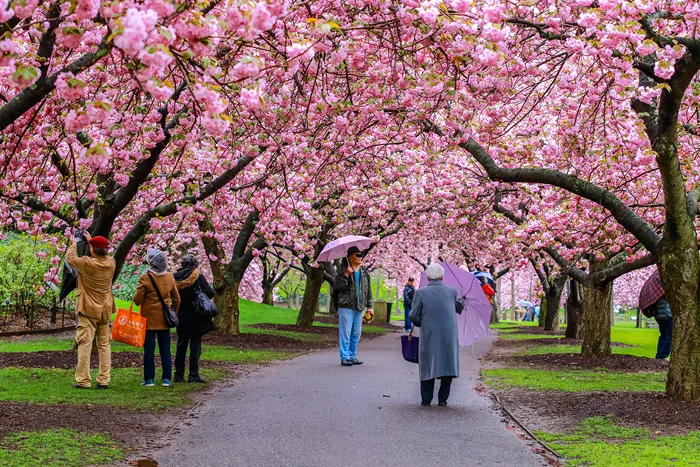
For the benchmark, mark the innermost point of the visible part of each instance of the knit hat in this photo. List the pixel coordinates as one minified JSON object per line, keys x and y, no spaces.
{"x":99,"y":242}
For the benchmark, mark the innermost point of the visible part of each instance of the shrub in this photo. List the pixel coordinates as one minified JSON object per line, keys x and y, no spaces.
{"x":29,"y":275}
{"x":128,"y":279}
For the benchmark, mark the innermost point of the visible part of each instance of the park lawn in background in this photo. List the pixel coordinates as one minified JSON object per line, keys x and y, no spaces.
{"x":574,"y":380}
{"x":300,"y":336}
{"x":52,"y":386}
{"x":598,"y":442}
{"x":125,"y":304}
{"x":528,"y":336}
{"x":58,"y":448}
{"x":37,"y":345}
{"x":643,"y":340}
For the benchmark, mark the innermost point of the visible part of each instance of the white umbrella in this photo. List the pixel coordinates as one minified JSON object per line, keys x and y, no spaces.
{"x":339,"y":248}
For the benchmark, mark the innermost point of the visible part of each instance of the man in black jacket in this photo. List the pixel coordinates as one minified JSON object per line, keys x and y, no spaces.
{"x":408,"y":291}
{"x":354,"y":296}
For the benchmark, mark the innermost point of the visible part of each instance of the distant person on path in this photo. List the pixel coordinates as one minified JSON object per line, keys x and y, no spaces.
{"x":192,"y":325}
{"x":152,"y":310}
{"x":354,"y":296}
{"x":95,"y":305}
{"x":435,"y":309}
{"x":408,"y":292}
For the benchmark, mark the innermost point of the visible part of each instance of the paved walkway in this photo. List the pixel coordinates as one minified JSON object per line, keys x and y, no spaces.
{"x":311,"y":412}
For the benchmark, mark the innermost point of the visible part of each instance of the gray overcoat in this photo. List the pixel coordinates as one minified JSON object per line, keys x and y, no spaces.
{"x":434,"y":311}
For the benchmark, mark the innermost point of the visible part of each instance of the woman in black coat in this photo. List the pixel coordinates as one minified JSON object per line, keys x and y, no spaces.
{"x":192,"y":326}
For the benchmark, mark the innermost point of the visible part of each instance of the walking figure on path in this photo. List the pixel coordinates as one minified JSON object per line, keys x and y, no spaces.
{"x":354,"y":297}
{"x":408,"y":292}
{"x":435,"y":309}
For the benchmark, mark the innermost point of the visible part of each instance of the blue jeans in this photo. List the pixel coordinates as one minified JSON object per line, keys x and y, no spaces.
{"x":663,"y":349}
{"x":407,"y":318}
{"x":350,"y":329}
{"x":149,"y":350}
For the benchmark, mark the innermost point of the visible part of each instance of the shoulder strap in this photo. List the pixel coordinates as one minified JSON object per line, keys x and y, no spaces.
{"x":162,"y":302}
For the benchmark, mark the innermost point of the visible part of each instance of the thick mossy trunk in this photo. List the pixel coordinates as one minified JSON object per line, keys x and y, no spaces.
{"x":267,"y":298}
{"x":226,"y":300}
{"x":574,"y":311}
{"x":312,"y":293}
{"x":679,"y":269}
{"x":596,"y":318}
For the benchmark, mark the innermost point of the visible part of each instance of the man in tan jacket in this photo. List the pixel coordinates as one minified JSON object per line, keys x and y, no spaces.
{"x":95,"y":305}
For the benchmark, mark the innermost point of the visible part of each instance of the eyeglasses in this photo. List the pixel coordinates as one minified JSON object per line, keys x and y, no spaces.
{"x":358,"y":255}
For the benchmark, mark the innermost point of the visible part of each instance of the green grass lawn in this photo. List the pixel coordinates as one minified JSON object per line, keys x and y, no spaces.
{"x":51,"y":386}
{"x":519,"y":336}
{"x":574,"y":380}
{"x":58,"y":448}
{"x":209,"y":352}
{"x":598,"y":442}
{"x":643,"y":340}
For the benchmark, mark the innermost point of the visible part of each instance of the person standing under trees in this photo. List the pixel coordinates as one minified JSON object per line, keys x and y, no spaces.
{"x":354,"y":297}
{"x":435,"y":309}
{"x":152,"y":310}
{"x":95,"y":305}
{"x":408,"y":292}
{"x":661,"y":311}
{"x":192,"y":325}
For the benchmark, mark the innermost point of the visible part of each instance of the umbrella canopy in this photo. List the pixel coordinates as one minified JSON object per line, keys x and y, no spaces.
{"x":651,"y":291}
{"x":473,"y":322}
{"x":339,"y":248}
{"x":526,"y":304}
{"x":488,"y":276}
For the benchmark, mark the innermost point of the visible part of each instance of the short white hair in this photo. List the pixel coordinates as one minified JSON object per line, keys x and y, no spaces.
{"x":434,"y":272}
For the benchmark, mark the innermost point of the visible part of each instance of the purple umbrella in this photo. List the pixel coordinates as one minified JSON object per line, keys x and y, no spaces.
{"x":473,"y":322}
{"x":339,"y":248}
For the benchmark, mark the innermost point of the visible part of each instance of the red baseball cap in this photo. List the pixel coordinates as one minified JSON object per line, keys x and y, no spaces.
{"x":99,"y":242}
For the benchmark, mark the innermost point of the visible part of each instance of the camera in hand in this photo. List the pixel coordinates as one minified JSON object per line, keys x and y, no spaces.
{"x":79,"y":235}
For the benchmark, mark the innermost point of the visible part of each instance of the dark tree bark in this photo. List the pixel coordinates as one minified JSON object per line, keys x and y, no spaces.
{"x":574,"y":310}
{"x":228,"y":277}
{"x":553,"y":296}
{"x":596,"y":316}
{"x":311,"y":303}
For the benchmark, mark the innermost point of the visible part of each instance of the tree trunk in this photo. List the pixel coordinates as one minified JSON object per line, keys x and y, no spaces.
{"x":312,"y":294}
{"x":226,"y":300}
{"x":596,"y":318}
{"x":543,"y":312}
{"x":574,"y":309}
{"x":556,"y":287}
{"x":494,"y":312}
{"x":267,"y":297}
{"x":512,"y":296}
{"x":679,"y":269}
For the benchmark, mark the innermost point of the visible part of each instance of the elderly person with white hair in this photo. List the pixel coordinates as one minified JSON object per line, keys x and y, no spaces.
{"x":434,"y":312}
{"x":157,"y":328}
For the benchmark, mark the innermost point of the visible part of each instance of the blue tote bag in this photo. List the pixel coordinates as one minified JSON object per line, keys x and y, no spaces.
{"x":409,"y":348}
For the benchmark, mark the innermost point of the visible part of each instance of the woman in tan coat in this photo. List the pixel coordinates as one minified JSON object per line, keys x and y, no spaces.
{"x":152,"y":310}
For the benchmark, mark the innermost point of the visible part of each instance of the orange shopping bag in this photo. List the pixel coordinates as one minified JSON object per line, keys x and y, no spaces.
{"x":129,"y":327}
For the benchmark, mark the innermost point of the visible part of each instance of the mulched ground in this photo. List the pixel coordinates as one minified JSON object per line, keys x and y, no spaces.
{"x":559,"y":412}
{"x":324,"y":330}
{"x":621,"y":363}
{"x":263,"y":341}
{"x":43,"y":322}
{"x":534,"y":330}
{"x":128,"y":427}
{"x":512,"y":343}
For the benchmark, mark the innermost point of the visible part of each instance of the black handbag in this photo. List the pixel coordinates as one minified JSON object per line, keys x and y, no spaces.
{"x":203,"y":306}
{"x":170,"y":316}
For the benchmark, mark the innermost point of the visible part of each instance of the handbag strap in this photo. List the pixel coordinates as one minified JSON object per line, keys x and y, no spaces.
{"x":410,"y":334}
{"x":162,"y":302}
